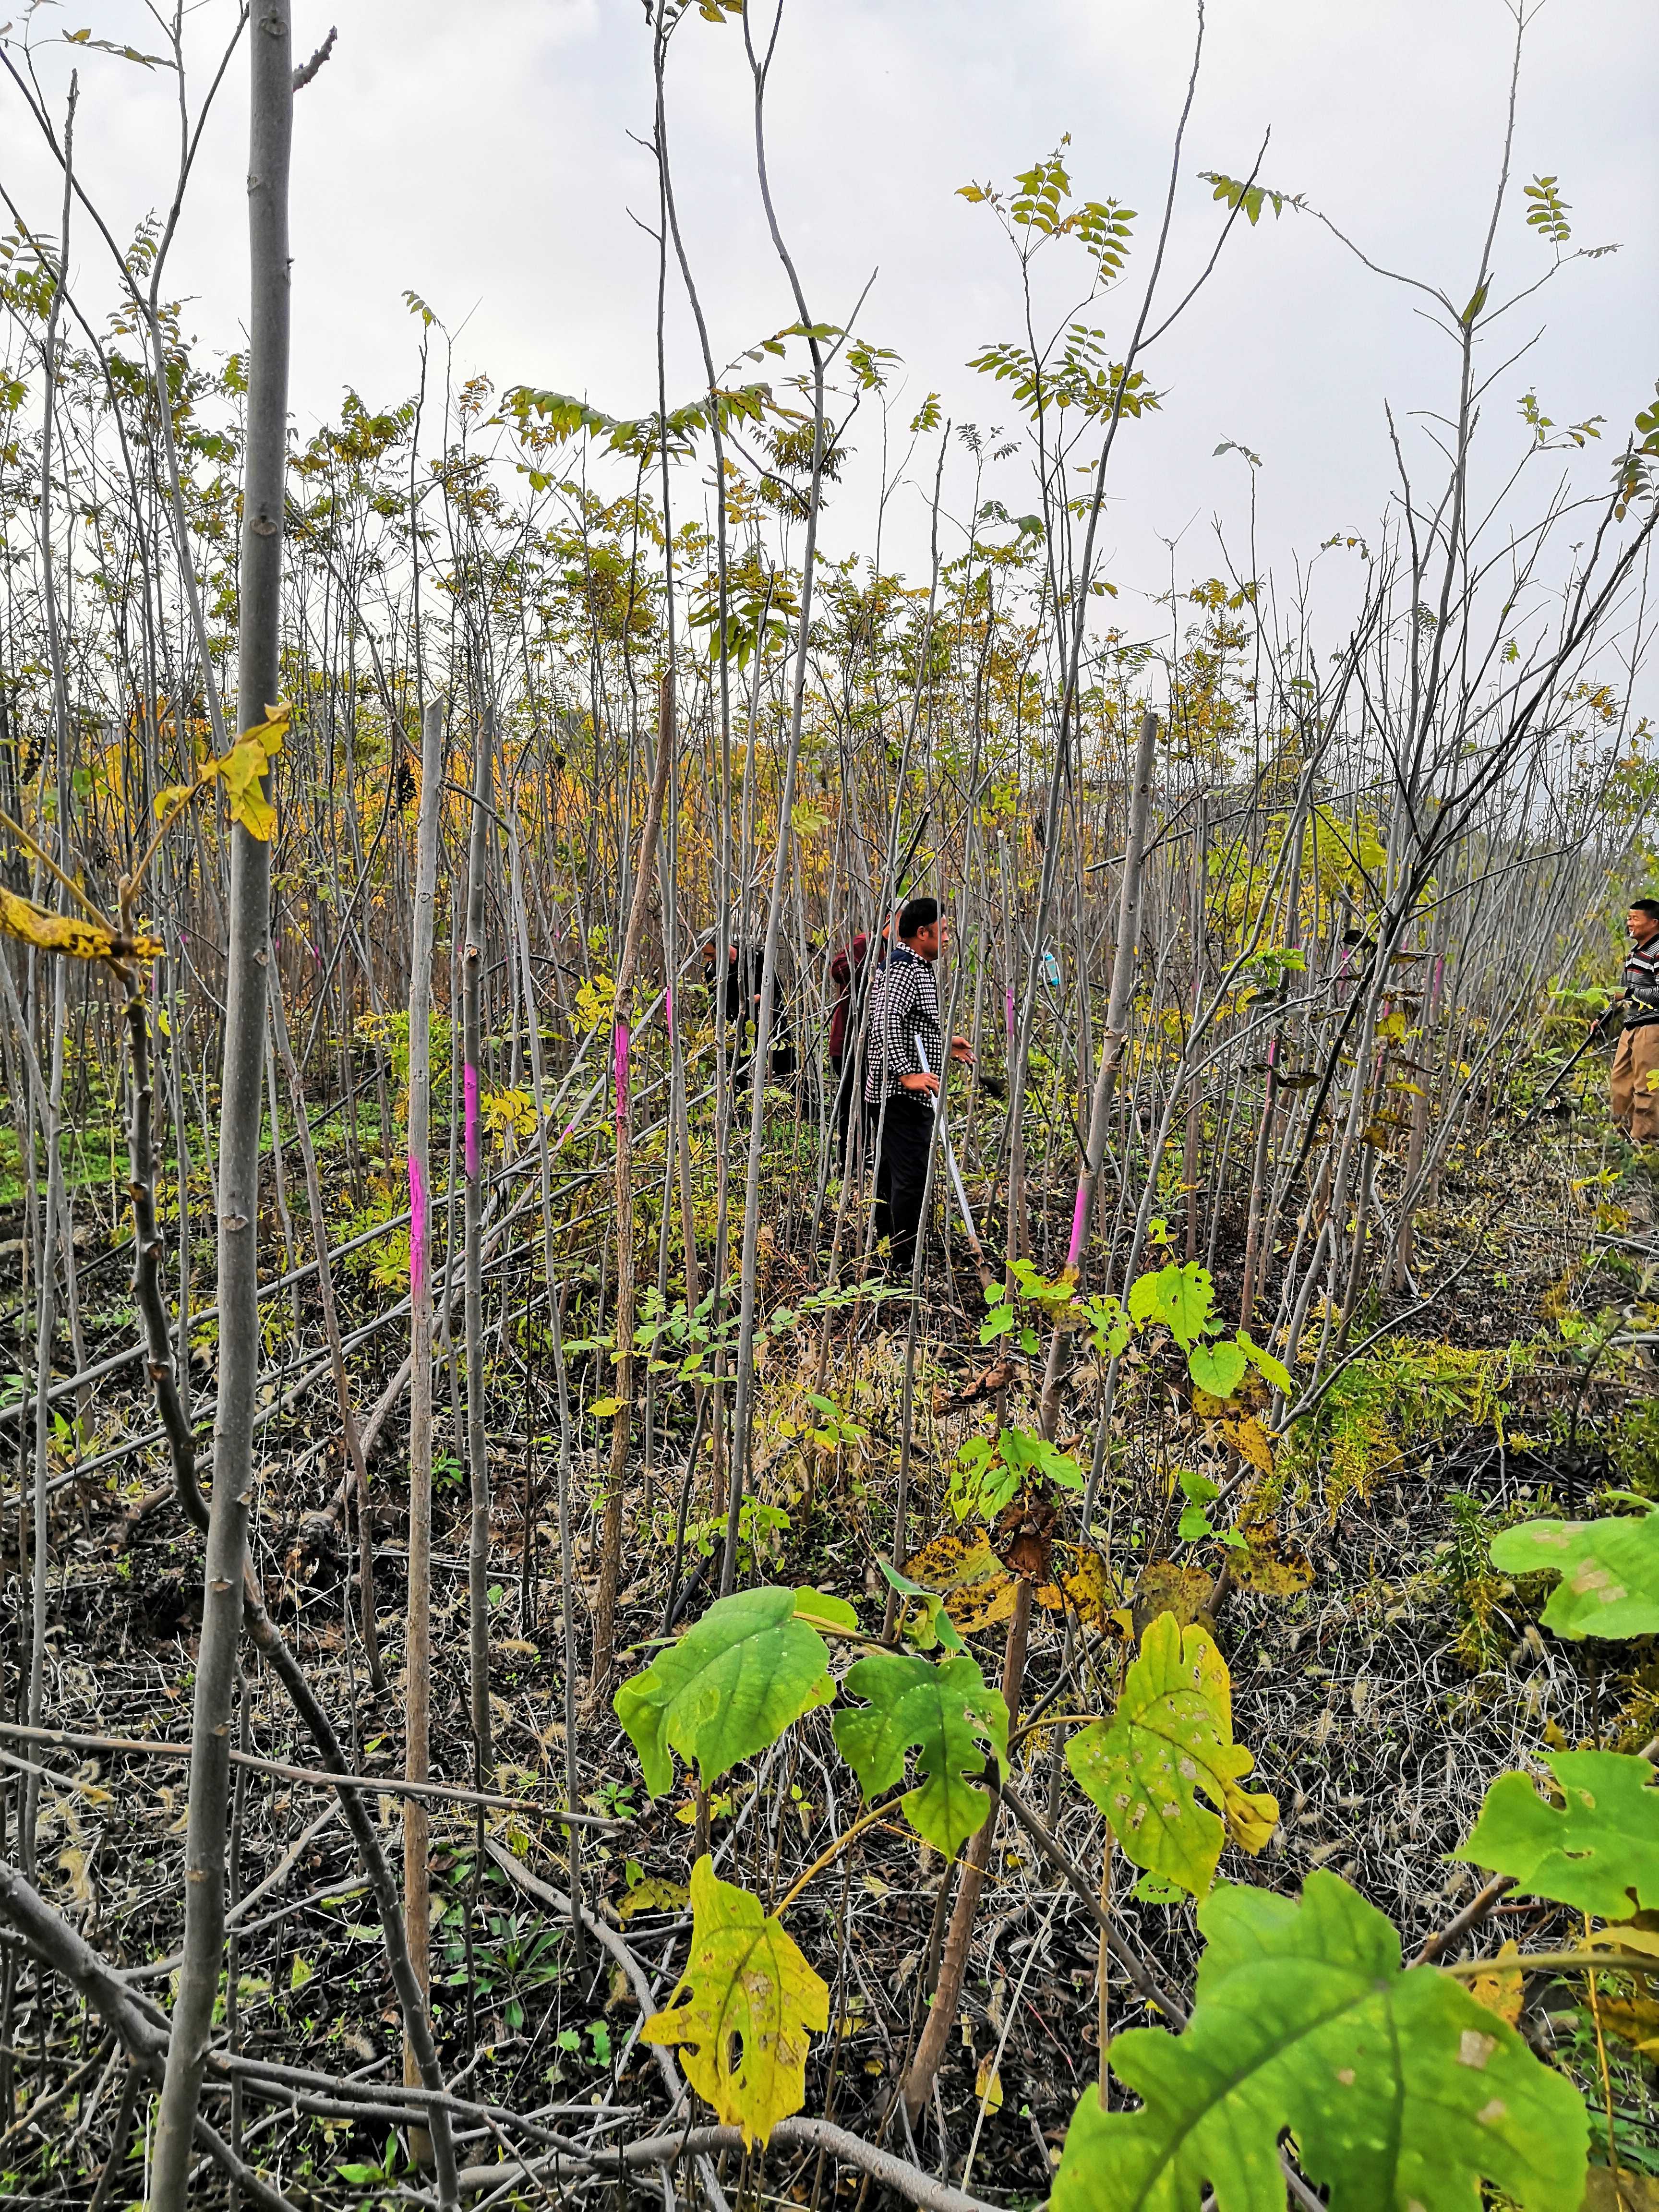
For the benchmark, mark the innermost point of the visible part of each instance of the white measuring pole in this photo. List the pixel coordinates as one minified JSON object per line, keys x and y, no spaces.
{"x":950,"y":1154}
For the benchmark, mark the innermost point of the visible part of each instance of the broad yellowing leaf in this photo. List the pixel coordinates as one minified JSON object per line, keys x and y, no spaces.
{"x":1401,"y":2091}
{"x":1598,"y":1851}
{"x":742,"y":2010}
{"x":1171,"y":1736}
{"x":1609,"y":1571}
{"x":950,"y":1716}
{"x":728,"y":1688}
{"x":242,"y":771}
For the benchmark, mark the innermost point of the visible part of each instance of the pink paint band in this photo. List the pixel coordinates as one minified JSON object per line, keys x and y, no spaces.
{"x":623,"y":1047}
{"x":470,"y":1092}
{"x":668,"y":1006}
{"x":416,"y":1229}
{"x":1080,"y":1215}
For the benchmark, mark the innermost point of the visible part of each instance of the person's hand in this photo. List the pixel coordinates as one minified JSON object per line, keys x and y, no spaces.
{"x":924,"y":1086}
{"x":962,"y":1050}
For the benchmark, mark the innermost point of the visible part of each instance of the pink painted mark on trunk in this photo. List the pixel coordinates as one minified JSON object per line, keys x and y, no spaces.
{"x":470,"y":1094}
{"x":1010,"y":996}
{"x":418,"y":1216}
{"x":1080,"y":1218}
{"x":624,"y":1042}
{"x":668,"y":1006}
{"x":1434,"y":988}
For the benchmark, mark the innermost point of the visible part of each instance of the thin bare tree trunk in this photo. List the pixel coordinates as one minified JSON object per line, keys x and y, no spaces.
{"x":356,"y":1467}
{"x":271,"y":105}
{"x":477,"y":1442}
{"x":605,"y":1608}
{"x":417,"y":1639}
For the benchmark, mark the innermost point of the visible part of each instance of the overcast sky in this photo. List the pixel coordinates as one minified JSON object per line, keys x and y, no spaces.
{"x":482,"y":155}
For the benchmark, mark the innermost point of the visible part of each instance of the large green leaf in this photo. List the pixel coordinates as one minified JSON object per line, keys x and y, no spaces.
{"x":1401,"y":2091}
{"x":1183,"y":1298}
{"x":1598,"y":1851}
{"x":741,"y":2008}
{"x":1609,"y":1572}
{"x":1172,"y":1736}
{"x":949,"y":1715}
{"x":729,"y":1687}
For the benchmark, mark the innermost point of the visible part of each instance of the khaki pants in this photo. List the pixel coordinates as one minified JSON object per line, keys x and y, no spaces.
{"x":1633,"y":1083}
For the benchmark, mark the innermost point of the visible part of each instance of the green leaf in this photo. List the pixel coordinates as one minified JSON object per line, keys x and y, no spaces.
{"x":1275,"y":1371}
{"x":1181,"y":1298}
{"x":1609,"y":1572}
{"x":1597,"y":1851}
{"x":949,"y":1715}
{"x":989,"y":1472}
{"x":745,"y":1985}
{"x":832,"y":1613}
{"x":1401,"y":2090}
{"x":1172,"y":1735}
{"x":1217,"y":1367}
{"x":728,"y":1688}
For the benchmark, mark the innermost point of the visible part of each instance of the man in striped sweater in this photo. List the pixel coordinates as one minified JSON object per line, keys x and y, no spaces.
{"x":1633,"y":1083}
{"x":904,"y":1055}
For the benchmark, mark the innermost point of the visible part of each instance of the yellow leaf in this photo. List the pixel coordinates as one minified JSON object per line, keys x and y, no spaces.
{"x":1166,"y":1588}
{"x":1624,"y":2191}
{"x":1627,"y":1936}
{"x":1636,"y":2023}
{"x":1171,"y":1736}
{"x":977,"y":1588}
{"x":70,"y":932}
{"x":652,"y":1896}
{"x":1250,"y":1438}
{"x":73,"y":1862}
{"x":742,"y":2009}
{"x":988,"y":2086}
{"x":954,"y":1561}
{"x":1500,"y":1991}
{"x":171,"y":795}
{"x":242,"y":769}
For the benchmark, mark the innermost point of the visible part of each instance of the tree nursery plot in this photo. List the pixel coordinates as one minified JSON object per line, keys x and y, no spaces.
{"x":817,"y":1386}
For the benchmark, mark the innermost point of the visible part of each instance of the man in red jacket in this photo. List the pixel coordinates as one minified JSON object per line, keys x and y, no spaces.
{"x":846,"y":973}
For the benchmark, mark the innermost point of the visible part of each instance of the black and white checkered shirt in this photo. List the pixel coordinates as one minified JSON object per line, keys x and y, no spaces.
{"x":903,"y":1012}
{"x":1641,"y":981}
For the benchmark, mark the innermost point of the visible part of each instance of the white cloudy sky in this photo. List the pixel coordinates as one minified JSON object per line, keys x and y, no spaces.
{"x":481,"y":154}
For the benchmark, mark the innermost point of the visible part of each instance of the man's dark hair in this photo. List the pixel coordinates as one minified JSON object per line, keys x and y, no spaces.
{"x":1650,"y":907}
{"x":918,"y":913}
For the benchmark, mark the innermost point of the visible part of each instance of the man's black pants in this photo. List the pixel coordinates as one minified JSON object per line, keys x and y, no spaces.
{"x":907,"y":1137}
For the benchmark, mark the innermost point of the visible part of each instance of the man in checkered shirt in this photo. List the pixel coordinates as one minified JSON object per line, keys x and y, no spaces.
{"x":904,"y":1055}
{"x":1634,"y":1081}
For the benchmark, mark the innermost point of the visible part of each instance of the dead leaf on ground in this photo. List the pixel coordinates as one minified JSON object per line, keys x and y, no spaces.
{"x":1165,"y":1587}
{"x":985,"y":1384}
